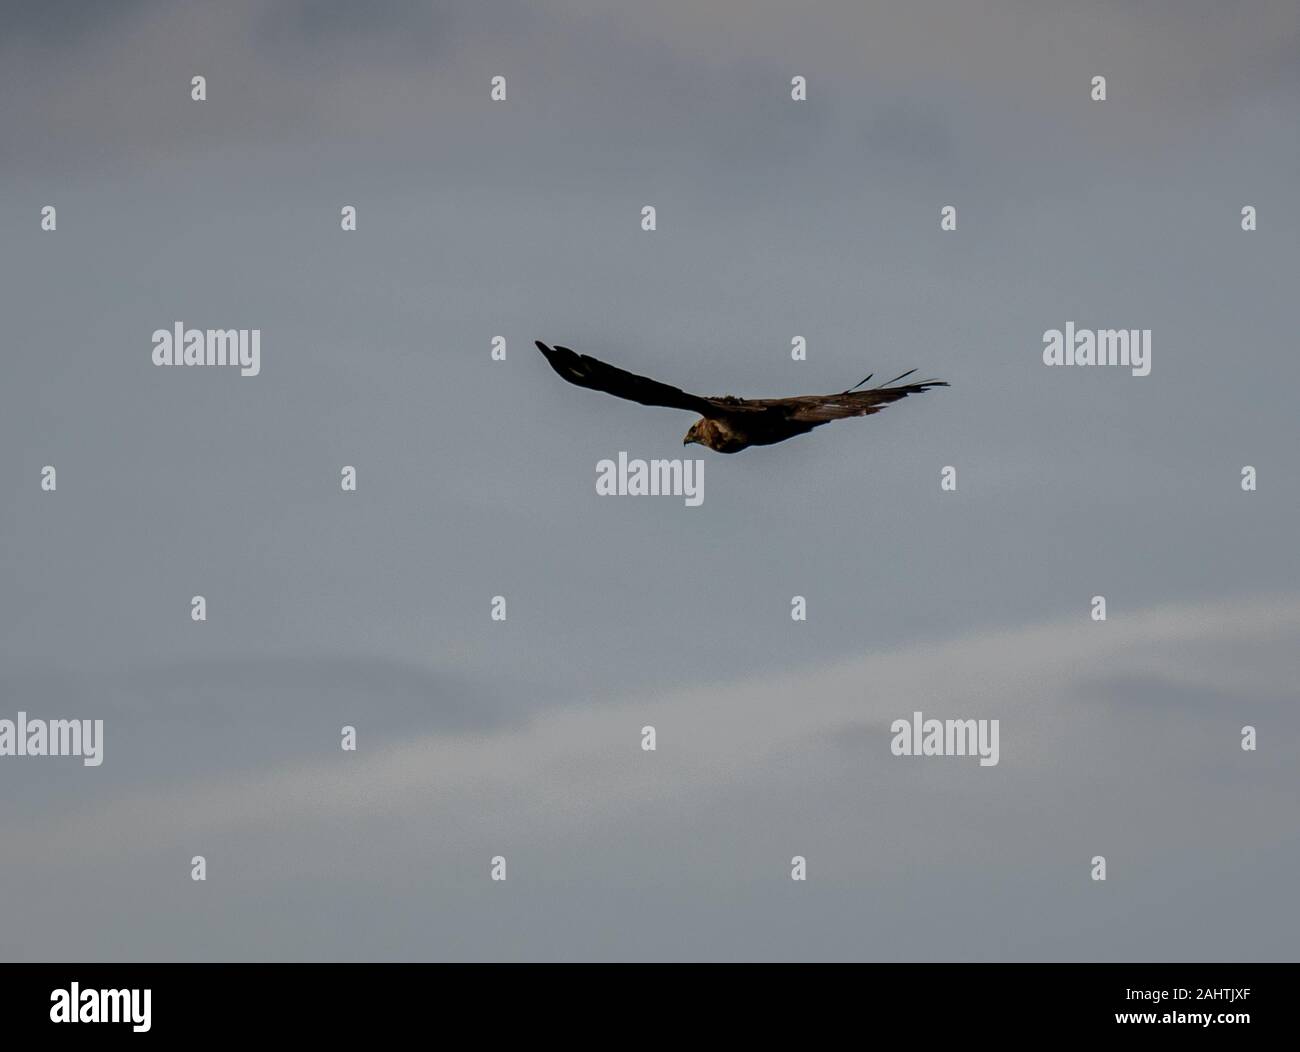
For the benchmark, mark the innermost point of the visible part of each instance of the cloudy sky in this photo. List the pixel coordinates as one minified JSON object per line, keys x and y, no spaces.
{"x":476,"y":478}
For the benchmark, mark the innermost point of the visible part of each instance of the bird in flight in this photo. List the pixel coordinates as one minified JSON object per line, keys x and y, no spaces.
{"x":728,"y":424}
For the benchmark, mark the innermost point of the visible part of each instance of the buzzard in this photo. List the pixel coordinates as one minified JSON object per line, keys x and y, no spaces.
{"x":728,"y":424}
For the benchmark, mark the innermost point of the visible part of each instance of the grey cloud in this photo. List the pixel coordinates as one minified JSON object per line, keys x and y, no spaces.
{"x":702,"y":85}
{"x":61,"y":25}
{"x":168,"y":723}
{"x":747,"y":774}
{"x":1132,"y":692}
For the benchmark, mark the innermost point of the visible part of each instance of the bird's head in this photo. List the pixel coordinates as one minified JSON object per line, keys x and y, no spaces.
{"x":693,"y":435}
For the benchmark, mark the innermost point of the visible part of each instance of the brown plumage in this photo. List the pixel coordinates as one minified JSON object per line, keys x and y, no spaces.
{"x":729,"y":424}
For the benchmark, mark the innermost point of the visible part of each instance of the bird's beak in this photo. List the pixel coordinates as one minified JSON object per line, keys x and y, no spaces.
{"x":686,"y":441}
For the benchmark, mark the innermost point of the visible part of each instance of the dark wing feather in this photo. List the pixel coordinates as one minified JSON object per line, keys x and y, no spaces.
{"x":821,"y":409}
{"x":585,"y":371}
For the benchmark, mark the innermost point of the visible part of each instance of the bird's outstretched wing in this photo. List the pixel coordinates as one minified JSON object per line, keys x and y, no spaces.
{"x":821,"y":409}
{"x":812,"y":410}
{"x":585,"y":371}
